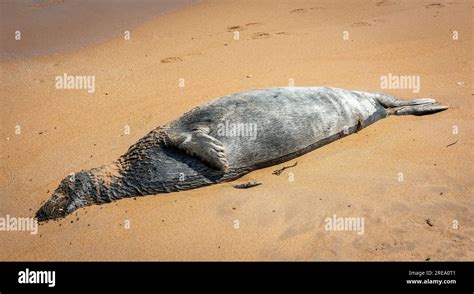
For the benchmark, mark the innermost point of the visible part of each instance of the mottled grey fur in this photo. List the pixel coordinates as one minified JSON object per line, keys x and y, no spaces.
{"x":191,"y":152}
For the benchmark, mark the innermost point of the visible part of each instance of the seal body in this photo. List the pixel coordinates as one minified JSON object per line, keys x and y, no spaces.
{"x":227,"y":138}
{"x":287,"y":122}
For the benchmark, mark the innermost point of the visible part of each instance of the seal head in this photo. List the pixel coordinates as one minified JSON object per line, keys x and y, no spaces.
{"x":69,"y":196}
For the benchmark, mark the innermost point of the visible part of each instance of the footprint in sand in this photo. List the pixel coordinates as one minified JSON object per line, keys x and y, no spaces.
{"x":361,"y":24}
{"x":386,"y":3}
{"x":304,"y":10}
{"x":235,"y":28}
{"x":45,"y":3}
{"x":251,"y":24}
{"x":434,"y":5}
{"x":297,"y":230}
{"x":299,"y":10}
{"x":260,"y":35}
{"x":171,"y":60}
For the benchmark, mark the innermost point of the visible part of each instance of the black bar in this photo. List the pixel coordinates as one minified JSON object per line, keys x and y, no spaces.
{"x":335,"y":275}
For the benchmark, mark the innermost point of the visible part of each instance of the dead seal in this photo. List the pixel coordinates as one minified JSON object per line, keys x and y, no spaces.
{"x":228,"y":138}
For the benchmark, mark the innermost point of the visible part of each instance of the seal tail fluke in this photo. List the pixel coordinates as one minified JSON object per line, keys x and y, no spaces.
{"x":419,"y":106}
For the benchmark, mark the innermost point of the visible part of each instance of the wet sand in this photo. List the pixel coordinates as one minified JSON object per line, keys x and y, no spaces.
{"x":57,"y":26}
{"x":414,"y":192}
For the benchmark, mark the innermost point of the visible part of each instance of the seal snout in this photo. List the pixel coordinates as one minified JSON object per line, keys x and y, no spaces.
{"x":56,"y":207}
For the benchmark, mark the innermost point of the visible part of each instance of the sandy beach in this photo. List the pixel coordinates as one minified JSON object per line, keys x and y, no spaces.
{"x":410,"y":178}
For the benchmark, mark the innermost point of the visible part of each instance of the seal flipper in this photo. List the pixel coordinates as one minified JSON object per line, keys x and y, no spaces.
{"x":200,"y":144}
{"x":420,"y":106}
{"x":418,"y":109}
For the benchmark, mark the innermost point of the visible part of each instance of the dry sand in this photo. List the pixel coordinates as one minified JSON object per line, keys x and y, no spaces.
{"x":64,"y":131}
